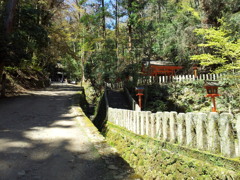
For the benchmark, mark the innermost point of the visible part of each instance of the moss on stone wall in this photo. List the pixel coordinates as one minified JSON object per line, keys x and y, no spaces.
{"x":153,"y":159}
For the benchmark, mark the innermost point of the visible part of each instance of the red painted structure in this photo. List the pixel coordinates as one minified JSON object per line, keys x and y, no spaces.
{"x":159,"y":68}
{"x":140,"y":94}
{"x":212,"y":91}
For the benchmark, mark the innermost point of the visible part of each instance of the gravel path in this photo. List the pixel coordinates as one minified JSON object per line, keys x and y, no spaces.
{"x":44,"y":137}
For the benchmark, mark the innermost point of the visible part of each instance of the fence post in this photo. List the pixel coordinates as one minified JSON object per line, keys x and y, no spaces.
{"x":139,"y":122}
{"x":213,"y":133}
{"x":166,"y":116}
{"x":153,"y":125}
{"x":238,"y":134}
{"x":142,"y":123}
{"x":191,"y":77}
{"x":120,"y":117}
{"x":163,"y":79}
{"x":173,"y":127}
{"x":109,"y":116}
{"x":130,"y":113}
{"x":183,"y":78}
{"x":226,"y":135}
{"x":159,"y":117}
{"x":130,"y":120}
{"x":116,"y":116}
{"x":201,"y":137}
{"x":190,"y":135}
{"x":148,"y":125}
{"x":123,"y":121}
{"x":181,"y":131}
{"x":126,"y":120}
{"x":135,"y":122}
{"x":179,"y":78}
{"x":204,"y":77}
{"x":214,"y":77}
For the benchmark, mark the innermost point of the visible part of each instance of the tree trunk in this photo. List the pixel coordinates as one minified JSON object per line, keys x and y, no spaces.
{"x":212,"y":11}
{"x":103,"y":19}
{"x":10,"y":12}
{"x":8,"y":28}
{"x":129,"y":37}
{"x":159,"y":10}
{"x":117,"y":32}
{"x":130,"y":27}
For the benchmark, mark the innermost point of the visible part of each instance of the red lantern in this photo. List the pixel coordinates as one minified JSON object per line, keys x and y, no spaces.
{"x":212,"y":91}
{"x":140,"y":94}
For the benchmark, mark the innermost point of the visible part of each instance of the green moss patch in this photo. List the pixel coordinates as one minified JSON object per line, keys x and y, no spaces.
{"x":154,"y":159}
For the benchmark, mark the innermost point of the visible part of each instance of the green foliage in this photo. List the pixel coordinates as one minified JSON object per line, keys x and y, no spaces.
{"x":224,"y":50}
{"x":157,"y":105}
{"x":72,"y":68}
{"x":73,"y":33}
{"x":164,"y":98}
{"x":28,"y":44}
{"x":230,"y":94}
{"x":158,"y":30}
{"x":190,"y":96}
{"x":175,"y":37}
{"x":101,"y":66}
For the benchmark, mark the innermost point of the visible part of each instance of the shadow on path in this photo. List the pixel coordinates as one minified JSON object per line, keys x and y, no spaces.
{"x":40,"y":139}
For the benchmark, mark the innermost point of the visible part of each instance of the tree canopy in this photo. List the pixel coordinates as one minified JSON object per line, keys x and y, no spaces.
{"x":106,"y":41}
{"x":224,"y":51}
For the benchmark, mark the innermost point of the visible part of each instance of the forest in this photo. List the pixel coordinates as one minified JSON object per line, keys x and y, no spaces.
{"x":107,"y":40}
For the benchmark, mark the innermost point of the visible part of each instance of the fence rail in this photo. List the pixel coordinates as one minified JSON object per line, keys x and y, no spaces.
{"x":213,"y":132}
{"x":178,"y":78}
{"x":166,"y":79}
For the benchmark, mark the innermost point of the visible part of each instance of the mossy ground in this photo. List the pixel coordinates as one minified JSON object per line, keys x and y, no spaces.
{"x":158,"y":161}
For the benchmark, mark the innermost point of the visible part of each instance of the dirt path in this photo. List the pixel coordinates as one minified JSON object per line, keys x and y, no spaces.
{"x":43,"y":138}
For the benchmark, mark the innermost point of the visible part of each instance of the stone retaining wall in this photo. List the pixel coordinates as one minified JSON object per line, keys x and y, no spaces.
{"x":154,"y":159}
{"x":212,"y":132}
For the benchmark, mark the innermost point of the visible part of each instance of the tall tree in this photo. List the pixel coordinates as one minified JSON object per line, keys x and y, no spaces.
{"x":8,"y":21}
{"x":103,"y":19}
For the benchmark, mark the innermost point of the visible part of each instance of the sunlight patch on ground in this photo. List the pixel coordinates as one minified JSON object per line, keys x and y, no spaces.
{"x":58,"y":132}
{"x":49,"y":134}
{"x":8,"y":144}
{"x":63,"y":123}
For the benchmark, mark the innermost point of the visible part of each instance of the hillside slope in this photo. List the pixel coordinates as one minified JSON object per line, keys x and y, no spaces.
{"x":19,"y":81}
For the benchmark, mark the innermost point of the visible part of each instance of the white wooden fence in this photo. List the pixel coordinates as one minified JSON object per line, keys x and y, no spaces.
{"x":148,"y":80}
{"x":178,"y":78}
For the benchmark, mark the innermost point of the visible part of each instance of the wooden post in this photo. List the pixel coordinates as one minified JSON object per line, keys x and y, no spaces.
{"x":140,"y":100}
{"x":214,"y":108}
